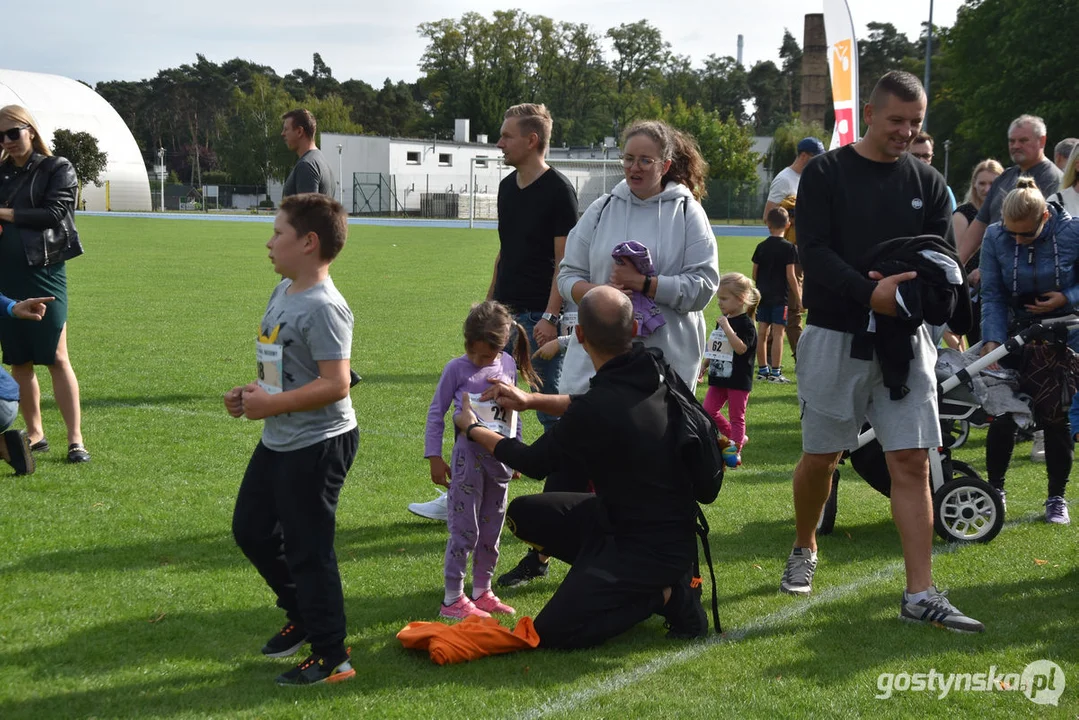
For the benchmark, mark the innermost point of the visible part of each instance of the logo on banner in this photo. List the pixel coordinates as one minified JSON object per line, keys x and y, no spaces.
{"x":842,"y":71}
{"x":844,"y":125}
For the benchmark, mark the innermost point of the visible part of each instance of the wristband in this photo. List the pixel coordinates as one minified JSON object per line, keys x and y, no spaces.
{"x":10,"y":308}
{"x":468,"y":430}
{"x":647,"y":284}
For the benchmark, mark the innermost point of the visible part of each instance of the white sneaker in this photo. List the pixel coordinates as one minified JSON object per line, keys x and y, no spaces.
{"x":433,"y":509}
{"x":1037,"y":450}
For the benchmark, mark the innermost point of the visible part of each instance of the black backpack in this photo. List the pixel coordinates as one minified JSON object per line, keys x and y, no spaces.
{"x":701,"y":455}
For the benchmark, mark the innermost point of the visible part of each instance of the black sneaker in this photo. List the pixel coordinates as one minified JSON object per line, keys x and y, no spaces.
{"x":527,"y":570}
{"x":18,"y":450}
{"x":316,"y":669}
{"x":685,"y":615}
{"x":286,"y":642}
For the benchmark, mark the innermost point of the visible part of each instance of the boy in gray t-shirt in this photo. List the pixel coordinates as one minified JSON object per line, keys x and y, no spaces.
{"x":286,"y":508}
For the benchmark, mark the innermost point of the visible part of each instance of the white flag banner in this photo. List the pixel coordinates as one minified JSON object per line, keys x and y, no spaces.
{"x":843,"y":69}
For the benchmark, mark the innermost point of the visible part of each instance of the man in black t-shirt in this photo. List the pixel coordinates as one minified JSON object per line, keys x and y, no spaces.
{"x":774,"y":270}
{"x":537,"y":207}
{"x":850,"y":200}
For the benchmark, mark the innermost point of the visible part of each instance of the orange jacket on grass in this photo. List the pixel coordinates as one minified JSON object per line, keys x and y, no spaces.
{"x":472,"y":638}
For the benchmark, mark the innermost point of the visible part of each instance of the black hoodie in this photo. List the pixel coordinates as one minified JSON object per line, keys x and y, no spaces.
{"x":617,"y":435}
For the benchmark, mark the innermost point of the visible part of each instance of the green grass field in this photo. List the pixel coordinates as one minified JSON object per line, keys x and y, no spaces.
{"x":122,"y":594}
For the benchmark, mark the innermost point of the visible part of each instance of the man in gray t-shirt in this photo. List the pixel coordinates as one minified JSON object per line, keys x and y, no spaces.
{"x":312,"y":173}
{"x":1026,"y":145}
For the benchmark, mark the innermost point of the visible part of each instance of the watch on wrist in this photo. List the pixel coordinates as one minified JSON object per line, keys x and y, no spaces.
{"x":550,"y":317}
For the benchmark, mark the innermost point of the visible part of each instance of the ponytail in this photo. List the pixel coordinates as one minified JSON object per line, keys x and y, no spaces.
{"x":522,"y":355}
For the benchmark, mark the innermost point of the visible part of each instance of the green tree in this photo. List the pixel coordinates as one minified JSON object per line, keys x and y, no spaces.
{"x":771,"y":96}
{"x":884,"y":49}
{"x":726,"y":145}
{"x":786,"y":138}
{"x":82,"y":150}
{"x":1002,"y":60}
{"x":791,"y":55}
{"x":640,"y":53}
{"x":724,"y":87}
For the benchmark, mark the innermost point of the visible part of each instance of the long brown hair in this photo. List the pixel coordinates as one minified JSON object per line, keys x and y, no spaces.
{"x":21,"y":116}
{"x":491,"y":322}
{"x":687,"y":164}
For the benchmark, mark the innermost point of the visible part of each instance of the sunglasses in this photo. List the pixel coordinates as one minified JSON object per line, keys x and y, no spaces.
{"x":14,"y":133}
{"x":1027,"y":235}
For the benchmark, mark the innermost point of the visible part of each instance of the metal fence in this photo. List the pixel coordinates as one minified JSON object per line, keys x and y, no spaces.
{"x":210,"y":198}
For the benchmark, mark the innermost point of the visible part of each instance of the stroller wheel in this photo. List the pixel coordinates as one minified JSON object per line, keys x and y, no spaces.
{"x":967,"y":510}
{"x":827,"y":517}
{"x":962,"y":469}
{"x":955,"y":433}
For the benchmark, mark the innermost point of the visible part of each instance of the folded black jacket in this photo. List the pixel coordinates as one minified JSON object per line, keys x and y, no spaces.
{"x":938,"y":295}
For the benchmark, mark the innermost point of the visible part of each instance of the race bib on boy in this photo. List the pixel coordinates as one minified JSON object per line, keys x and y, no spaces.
{"x":270,"y":370}
{"x":494,"y":416}
{"x":569,"y":322}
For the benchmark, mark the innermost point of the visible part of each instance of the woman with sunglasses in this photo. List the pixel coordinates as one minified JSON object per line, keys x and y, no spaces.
{"x":1028,"y":267}
{"x":656,"y":205}
{"x":37,"y":235}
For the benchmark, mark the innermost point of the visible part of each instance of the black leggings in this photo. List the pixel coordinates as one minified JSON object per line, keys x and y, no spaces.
{"x":1000,"y":442}
{"x":605,"y":592}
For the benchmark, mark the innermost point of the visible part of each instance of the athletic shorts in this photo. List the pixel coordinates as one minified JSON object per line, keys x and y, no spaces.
{"x":837,"y":394}
{"x":772,"y":314}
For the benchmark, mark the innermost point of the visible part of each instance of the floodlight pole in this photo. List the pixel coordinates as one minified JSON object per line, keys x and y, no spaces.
{"x":340,"y":175}
{"x":161,"y":174}
{"x":947,"y":152}
{"x":928,"y":64}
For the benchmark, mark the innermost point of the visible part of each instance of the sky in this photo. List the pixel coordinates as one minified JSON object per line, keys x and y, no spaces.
{"x":372,"y":41}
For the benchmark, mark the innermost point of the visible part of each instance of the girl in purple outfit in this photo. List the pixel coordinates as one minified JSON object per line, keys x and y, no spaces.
{"x":477,"y":493}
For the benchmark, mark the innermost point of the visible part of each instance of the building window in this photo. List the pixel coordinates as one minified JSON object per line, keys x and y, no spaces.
{"x":481,"y":162}
{"x":413,"y":157}
{"x":445,"y":159}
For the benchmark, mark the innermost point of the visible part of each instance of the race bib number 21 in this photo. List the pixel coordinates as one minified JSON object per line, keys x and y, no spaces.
{"x":494,"y":416}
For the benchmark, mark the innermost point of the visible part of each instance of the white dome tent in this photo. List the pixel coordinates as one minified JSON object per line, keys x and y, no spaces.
{"x":60,"y":102}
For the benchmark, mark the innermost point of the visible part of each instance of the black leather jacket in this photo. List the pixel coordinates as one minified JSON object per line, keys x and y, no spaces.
{"x":42,"y":194}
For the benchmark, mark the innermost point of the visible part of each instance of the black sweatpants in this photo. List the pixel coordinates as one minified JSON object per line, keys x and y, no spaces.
{"x":1000,"y":443}
{"x":284,"y":522}
{"x":605,"y":592}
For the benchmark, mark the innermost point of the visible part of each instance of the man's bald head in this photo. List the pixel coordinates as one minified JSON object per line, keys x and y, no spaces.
{"x":606,"y":320}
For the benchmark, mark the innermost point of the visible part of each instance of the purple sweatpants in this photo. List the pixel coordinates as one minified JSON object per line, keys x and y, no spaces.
{"x":477,"y":508}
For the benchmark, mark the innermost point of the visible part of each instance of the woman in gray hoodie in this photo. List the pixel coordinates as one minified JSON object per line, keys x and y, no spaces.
{"x":658,"y":206}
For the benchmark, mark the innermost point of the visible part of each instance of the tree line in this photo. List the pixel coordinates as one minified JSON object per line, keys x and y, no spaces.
{"x":221,"y":122}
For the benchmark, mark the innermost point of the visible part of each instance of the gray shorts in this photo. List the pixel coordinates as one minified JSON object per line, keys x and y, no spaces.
{"x":837,"y":393}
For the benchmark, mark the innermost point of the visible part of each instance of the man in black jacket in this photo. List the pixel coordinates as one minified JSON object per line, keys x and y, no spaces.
{"x":631,"y":545}
{"x":850,"y":201}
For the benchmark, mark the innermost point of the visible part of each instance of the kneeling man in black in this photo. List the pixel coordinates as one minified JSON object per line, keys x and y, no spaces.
{"x":631,"y":545}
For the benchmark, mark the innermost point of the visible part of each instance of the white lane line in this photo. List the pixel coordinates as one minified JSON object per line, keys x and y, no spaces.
{"x":619,"y":680}
{"x":797,"y":608}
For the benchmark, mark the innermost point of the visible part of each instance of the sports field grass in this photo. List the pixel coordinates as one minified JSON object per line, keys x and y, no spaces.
{"x":122,"y":594}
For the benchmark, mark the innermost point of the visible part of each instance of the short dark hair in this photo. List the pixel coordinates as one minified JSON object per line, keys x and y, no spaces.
{"x":922,"y":137}
{"x":321,"y":215}
{"x":611,"y":333}
{"x":898,"y":83}
{"x":777,"y":218}
{"x":302,"y":118}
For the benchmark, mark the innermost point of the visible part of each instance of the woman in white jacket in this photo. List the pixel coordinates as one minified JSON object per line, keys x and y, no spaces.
{"x":658,"y":206}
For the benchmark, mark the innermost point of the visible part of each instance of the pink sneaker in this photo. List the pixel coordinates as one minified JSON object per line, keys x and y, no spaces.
{"x":461,"y":608}
{"x":489,"y":602}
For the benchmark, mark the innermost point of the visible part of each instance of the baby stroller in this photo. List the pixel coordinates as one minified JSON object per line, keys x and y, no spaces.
{"x":965,"y":507}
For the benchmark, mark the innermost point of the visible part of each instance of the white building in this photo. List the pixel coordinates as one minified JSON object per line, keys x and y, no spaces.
{"x":57,"y":102}
{"x":382,"y":175}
